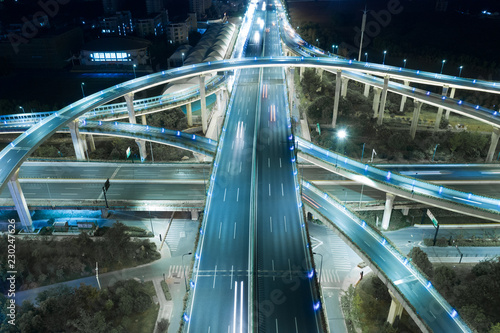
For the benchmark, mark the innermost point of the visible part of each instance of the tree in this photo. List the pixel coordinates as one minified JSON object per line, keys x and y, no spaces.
{"x":421,"y":260}
{"x":495,"y":328}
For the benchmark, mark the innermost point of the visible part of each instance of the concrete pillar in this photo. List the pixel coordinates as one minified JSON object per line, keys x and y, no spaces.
{"x":376,"y":100}
{"x":129,"y":100}
{"x":291,"y":86}
{"x":301,"y":73}
{"x":414,"y":121}
{"x":203,"y":102}
{"x":403,"y":98}
{"x":452,"y":95}
{"x":495,"y":135}
{"x":382,"y":102}
{"x":396,"y":310}
{"x":405,"y":211}
{"x":20,"y":202}
{"x":91,"y":143}
{"x":189,"y":114}
{"x":194,"y":215}
{"x":142,"y":149}
{"x":440,"y":111}
{"x":366,"y":92}
{"x":337,"y":97}
{"x":345,"y":81}
{"x":143,"y":119}
{"x":389,"y":202}
{"x":218,"y":96}
{"x":77,"y":140}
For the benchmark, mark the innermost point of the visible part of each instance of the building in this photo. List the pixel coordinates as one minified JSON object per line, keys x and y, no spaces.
{"x":441,"y":5}
{"x":199,"y":6}
{"x":116,"y":51}
{"x":155,"y":25}
{"x":110,"y":6}
{"x":178,"y":31}
{"x":119,"y":24}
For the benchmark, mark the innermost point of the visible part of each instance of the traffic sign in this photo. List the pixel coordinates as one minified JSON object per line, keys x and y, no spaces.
{"x":433,"y":219}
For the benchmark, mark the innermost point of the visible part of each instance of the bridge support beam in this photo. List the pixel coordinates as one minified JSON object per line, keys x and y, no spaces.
{"x":389,"y":202}
{"x":452,"y":95}
{"x":345,"y":81}
{"x":414,"y":121}
{"x":395,"y":311}
{"x":203,"y":103}
{"x":20,"y":202}
{"x":495,"y":135}
{"x":194,"y":215}
{"x":376,"y":100}
{"x":90,"y":142}
{"x":143,"y":119}
{"x":301,"y":73}
{"x":440,"y":111}
{"x":366,"y":92}
{"x":337,"y":97}
{"x":129,"y":99}
{"x":290,"y":72}
{"x":403,"y":98}
{"x":78,"y":142}
{"x":189,"y":114}
{"x":142,"y":149}
{"x":319,"y":71}
{"x":382,"y":103}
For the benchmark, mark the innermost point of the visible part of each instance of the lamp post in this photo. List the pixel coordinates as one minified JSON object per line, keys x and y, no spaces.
{"x":434,"y":154}
{"x":83,"y":92}
{"x":183,"y":59}
{"x":184,"y":268}
{"x":341,"y":134}
{"x":135,"y":76}
{"x":366,"y":56}
{"x":383,"y":61}
{"x":460,"y":71}
{"x":320,"y":266}
{"x":317,"y":42}
{"x":22,"y":109}
{"x":404,"y":63}
{"x":442,"y":66}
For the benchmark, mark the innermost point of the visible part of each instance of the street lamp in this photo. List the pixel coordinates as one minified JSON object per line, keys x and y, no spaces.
{"x":83,"y":92}
{"x":435,"y":148}
{"x":135,"y":76}
{"x":404,"y":63}
{"x":383,"y":61}
{"x":317,"y":41}
{"x":183,"y":59}
{"x":460,"y":71}
{"x":320,"y":266}
{"x":442,"y":66}
{"x":184,"y":268}
{"x":341,"y":134}
{"x":22,"y":109}
{"x":366,"y":56}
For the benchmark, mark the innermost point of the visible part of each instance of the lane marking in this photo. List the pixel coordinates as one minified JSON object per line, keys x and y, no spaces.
{"x":280,"y":162}
{"x":225,"y":190}
{"x":215,"y":276}
{"x":276,"y":325}
{"x":232,"y":270}
{"x":269,"y":189}
{"x":268,"y":162}
{"x":284,"y":220}
{"x":220,"y":229}
{"x":271,"y":223}
{"x":234,"y":233}
{"x":238,"y":194}
{"x":235,"y":305}
{"x":290,"y":268}
{"x":296,"y":326}
{"x":241,"y":307}
{"x":272,"y":261}
{"x":282,"y":192}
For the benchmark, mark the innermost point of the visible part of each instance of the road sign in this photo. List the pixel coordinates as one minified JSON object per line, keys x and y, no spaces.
{"x":433,"y":219}
{"x":128,"y":152}
{"x":106,"y":184}
{"x":319,"y":128}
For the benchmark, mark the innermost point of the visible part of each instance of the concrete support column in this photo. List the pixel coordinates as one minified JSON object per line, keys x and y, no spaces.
{"x":452,"y":95}
{"x":143,"y":119}
{"x":194,"y":215}
{"x":366,"y":92}
{"x":405,"y":211}
{"x":345,"y":81}
{"x":389,"y":202}
{"x":301,"y":73}
{"x":90,"y":143}
{"x":203,"y":102}
{"x":189,"y":114}
{"x":291,"y":86}
{"x":403,"y":98}
{"x":319,"y":71}
{"x":129,"y":100}
{"x":337,"y":97}
{"x":77,"y":140}
{"x":376,"y":100}
{"x":142,"y":149}
{"x":495,"y":135}
{"x":218,"y":96}
{"x":395,"y":311}
{"x":20,"y":202}
{"x":414,"y":121}
{"x":440,"y":111}
{"x":382,"y":102}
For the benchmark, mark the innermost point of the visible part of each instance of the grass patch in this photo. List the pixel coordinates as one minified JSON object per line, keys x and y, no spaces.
{"x":143,"y":322}
{"x":164,"y":286}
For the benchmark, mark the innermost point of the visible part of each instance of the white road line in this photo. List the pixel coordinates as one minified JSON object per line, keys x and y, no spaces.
{"x":282,"y":192}
{"x":280,"y":162}
{"x":235,"y":305}
{"x":247,"y":111}
{"x":225,"y":190}
{"x":269,"y":189}
{"x":232,"y":145}
{"x":237,"y":194}
{"x":208,"y":329}
{"x":229,"y":165}
{"x":240,"y":167}
{"x":290,"y":268}
{"x":234,"y":233}
{"x":268,"y":162}
{"x":220,"y":229}
{"x":272,"y":262}
{"x":232,"y":270}
{"x":276,"y":325}
{"x":296,"y":326}
{"x":284,"y":220}
{"x":271,"y":223}
{"x":241,"y":307}
{"x":215,"y":276}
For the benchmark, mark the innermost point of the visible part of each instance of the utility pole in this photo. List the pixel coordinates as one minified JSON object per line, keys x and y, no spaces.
{"x":363,"y":24}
